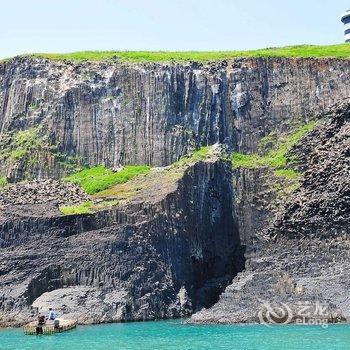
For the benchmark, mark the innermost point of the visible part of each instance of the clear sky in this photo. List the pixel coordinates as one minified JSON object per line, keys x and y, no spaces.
{"x":72,"y":25}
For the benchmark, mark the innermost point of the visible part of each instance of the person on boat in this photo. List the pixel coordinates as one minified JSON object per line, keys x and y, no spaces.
{"x":41,"y":322}
{"x":52,"y":314}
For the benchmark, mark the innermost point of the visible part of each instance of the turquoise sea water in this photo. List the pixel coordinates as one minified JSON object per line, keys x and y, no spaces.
{"x":171,"y":335}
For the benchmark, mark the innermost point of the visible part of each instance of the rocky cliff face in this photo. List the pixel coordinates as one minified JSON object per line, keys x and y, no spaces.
{"x":304,"y":260}
{"x":173,"y":246}
{"x":160,"y":257}
{"x":321,"y":206}
{"x":120,"y":113}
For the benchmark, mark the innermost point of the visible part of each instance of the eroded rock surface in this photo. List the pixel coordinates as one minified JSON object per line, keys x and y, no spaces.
{"x":305,"y":257}
{"x":322,"y":205}
{"x":125,"y":113}
{"x":301,"y":273}
{"x":139,"y":261}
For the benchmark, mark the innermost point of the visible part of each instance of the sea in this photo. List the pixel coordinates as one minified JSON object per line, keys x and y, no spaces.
{"x":177,"y":335}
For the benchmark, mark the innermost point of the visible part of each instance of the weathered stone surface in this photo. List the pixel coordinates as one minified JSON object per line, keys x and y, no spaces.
{"x":305,"y":258}
{"x":298,"y":273}
{"x":83,"y":303}
{"x":123,"y":113}
{"x":145,"y":260}
{"x":322,"y":205}
{"x":173,"y":248}
{"x":41,"y":191}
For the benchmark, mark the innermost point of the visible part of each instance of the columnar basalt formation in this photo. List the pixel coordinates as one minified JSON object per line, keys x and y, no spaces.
{"x":158,"y":258}
{"x":303,"y":258}
{"x":179,"y":237}
{"x":127,"y":113}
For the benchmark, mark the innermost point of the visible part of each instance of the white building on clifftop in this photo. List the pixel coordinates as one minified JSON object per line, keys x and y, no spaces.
{"x":345,"y":18}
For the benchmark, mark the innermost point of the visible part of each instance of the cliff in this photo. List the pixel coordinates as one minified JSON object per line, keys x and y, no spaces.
{"x":167,"y":243}
{"x":166,"y":251}
{"x":125,"y":113}
{"x":302,"y":261}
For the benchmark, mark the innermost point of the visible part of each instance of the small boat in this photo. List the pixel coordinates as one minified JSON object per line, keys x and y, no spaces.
{"x":50,"y":327}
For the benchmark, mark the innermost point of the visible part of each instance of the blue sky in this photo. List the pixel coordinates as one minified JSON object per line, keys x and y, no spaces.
{"x":73,"y":25}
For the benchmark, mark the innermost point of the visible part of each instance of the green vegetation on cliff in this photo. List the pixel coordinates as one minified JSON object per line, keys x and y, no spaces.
{"x":287,"y":174}
{"x":279,"y":175}
{"x":3,"y":181}
{"x":26,"y":141}
{"x":83,"y":208}
{"x":87,"y":207}
{"x":336,"y":51}
{"x":196,"y":156}
{"x":108,"y":188}
{"x":16,"y":146}
{"x":99,"y":178}
{"x":275,"y":158}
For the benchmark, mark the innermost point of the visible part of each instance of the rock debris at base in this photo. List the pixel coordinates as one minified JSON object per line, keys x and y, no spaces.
{"x":42,"y":191}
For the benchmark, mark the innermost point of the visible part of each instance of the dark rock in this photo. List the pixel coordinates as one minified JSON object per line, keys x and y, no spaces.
{"x":142,"y":261}
{"x":304,"y":259}
{"x":122,"y":113}
{"x":173,"y":248}
{"x":321,"y":207}
{"x":41,"y":191}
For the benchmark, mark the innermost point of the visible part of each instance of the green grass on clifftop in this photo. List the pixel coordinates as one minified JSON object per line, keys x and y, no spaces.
{"x":336,"y":51}
{"x":196,"y":156}
{"x":99,"y":178}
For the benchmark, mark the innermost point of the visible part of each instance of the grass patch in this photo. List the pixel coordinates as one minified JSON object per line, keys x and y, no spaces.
{"x":275,"y":158}
{"x":106,"y":204}
{"x":87,"y":207}
{"x":335,"y":51}
{"x":248,"y":161}
{"x":83,"y":208}
{"x":287,"y":174}
{"x":196,"y":156}
{"x":99,"y":178}
{"x":200,"y":153}
{"x":3,"y":181}
{"x":121,"y":192}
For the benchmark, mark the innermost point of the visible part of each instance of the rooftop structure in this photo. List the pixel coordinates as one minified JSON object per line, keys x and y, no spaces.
{"x":345,"y":18}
